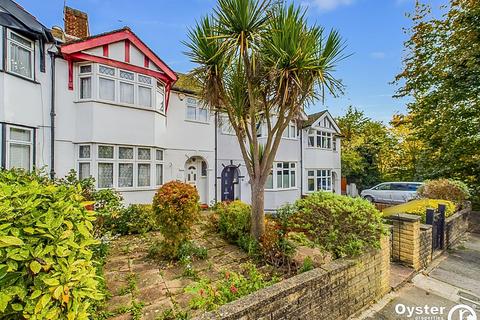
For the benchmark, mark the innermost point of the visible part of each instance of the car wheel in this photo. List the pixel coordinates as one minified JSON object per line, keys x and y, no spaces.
{"x":369,"y":198}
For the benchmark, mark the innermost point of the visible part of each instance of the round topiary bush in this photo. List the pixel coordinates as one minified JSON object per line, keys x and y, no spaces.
{"x":341,"y":225}
{"x":445,"y":189}
{"x":234,"y":219}
{"x":177,"y":209}
{"x":46,"y":242}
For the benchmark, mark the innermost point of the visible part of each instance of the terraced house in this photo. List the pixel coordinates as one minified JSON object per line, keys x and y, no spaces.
{"x":107,"y":106}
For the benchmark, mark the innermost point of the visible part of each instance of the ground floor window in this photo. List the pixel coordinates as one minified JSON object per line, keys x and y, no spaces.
{"x":19,"y":147}
{"x":282,"y":176}
{"x":120,"y":166}
{"x":319,"y":179}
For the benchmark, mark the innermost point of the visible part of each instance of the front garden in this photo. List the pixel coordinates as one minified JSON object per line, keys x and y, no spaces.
{"x":68,"y":251}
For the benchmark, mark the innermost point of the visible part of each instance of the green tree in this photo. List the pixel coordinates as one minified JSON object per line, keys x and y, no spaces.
{"x":259,"y":61}
{"x":442,"y":76}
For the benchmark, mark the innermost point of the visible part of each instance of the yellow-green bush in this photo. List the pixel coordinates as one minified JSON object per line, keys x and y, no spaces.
{"x":234,"y":219}
{"x":419,"y":207}
{"x":135,"y":219}
{"x":46,"y":267}
{"x":176,"y":208}
{"x":341,"y":225}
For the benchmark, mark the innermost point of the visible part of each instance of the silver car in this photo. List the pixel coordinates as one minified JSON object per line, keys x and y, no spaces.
{"x":392,"y":192}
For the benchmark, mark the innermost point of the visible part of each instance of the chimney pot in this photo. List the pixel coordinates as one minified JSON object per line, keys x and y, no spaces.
{"x":76,"y":23}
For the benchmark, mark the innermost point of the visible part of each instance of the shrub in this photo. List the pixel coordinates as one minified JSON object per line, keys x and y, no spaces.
{"x":234,"y":219}
{"x":176,"y":208}
{"x":419,"y":207}
{"x":445,"y":189}
{"x":340,"y":225}
{"x":135,"y":219}
{"x":46,"y":267}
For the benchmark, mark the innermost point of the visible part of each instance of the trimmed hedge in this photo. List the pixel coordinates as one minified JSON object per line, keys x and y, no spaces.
{"x":46,"y":241}
{"x":341,"y":225}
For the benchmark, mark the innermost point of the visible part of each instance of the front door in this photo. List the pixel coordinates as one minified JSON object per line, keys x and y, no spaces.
{"x":229,"y":178}
{"x":192,"y":175}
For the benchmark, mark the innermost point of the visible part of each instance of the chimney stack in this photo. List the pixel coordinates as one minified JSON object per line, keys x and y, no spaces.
{"x":76,"y":23}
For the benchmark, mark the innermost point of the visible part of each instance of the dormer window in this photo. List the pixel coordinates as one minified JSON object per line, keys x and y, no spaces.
{"x":20,"y":55}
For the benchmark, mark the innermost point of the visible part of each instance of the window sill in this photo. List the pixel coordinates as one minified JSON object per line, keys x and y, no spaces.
{"x":197,"y":121}
{"x":279,"y":190}
{"x":291,"y":139}
{"x":116,"y":104}
{"x":20,"y":76}
{"x":315,"y":148}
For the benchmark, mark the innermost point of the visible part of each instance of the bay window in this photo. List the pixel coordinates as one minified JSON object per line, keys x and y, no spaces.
{"x":319,"y":179}
{"x":20,"y":55}
{"x":124,"y":167}
{"x":120,"y":86}
{"x":19,"y":146}
{"x":283,"y":176}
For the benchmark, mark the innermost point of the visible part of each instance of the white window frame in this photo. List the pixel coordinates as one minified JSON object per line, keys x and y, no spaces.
{"x":292,"y":171}
{"x":9,"y":41}
{"x":9,"y":141}
{"x":290,"y":132}
{"x":84,"y":76}
{"x":198,"y":105}
{"x":317,"y":136}
{"x":328,"y":176}
{"x":95,"y":160}
{"x":95,"y":92}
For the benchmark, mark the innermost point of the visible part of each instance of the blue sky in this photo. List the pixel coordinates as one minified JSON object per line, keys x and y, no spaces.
{"x":372,"y":30}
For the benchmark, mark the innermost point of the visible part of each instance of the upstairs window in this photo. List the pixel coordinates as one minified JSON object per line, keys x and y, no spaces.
{"x":290,"y":131}
{"x":196,"y":111}
{"x":20,"y":55}
{"x":85,"y":81}
{"x":320,"y":139}
{"x":160,"y":97}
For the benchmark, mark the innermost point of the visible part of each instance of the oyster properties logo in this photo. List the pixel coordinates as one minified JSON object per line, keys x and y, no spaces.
{"x":426,"y":312}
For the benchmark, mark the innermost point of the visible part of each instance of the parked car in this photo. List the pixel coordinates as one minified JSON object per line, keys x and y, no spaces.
{"x":392,"y":192}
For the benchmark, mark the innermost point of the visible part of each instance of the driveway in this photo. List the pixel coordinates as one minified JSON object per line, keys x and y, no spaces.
{"x":452,"y":279}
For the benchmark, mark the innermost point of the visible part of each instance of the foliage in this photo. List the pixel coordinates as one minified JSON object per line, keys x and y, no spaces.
{"x":261,"y":62}
{"x":234,"y":219}
{"x":446,"y":189}
{"x":343,"y":226}
{"x":46,"y":241}
{"x":419,"y":207}
{"x":176,"y":207}
{"x":107,"y":203}
{"x":210,"y":296}
{"x":441,"y":77}
{"x":307,"y":265}
{"x":135,"y":219}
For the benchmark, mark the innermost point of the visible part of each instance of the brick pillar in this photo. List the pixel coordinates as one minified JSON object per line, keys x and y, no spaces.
{"x":406,"y":239}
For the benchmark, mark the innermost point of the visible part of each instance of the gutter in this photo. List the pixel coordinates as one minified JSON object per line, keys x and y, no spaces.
{"x":301,"y":163}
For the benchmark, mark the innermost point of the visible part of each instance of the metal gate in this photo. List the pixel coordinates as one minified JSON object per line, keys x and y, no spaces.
{"x":437,"y":220}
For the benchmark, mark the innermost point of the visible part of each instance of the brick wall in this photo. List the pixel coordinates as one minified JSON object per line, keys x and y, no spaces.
{"x":406,"y":239}
{"x":456,"y":226}
{"x":425,"y":245}
{"x":334,"y":291}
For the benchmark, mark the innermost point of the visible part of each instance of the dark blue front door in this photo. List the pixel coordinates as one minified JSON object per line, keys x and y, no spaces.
{"x":229,"y":179}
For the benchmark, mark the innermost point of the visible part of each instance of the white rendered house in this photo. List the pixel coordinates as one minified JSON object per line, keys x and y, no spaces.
{"x":109,"y":107}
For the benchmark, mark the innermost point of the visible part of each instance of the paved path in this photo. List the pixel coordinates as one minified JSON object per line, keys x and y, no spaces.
{"x":452,"y":279}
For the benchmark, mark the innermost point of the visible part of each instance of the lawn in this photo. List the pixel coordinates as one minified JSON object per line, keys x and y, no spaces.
{"x":143,"y":288}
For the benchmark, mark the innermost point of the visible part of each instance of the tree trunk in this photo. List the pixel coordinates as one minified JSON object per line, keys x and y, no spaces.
{"x":258,"y":213}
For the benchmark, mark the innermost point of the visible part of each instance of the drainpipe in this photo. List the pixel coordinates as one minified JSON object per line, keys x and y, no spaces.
{"x":301,"y":163}
{"x":216,"y":155}
{"x":53,"y":56}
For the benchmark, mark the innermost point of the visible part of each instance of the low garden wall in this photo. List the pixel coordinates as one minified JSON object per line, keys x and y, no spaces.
{"x":412,"y":241}
{"x":334,"y":291}
{"x":474,"y":222}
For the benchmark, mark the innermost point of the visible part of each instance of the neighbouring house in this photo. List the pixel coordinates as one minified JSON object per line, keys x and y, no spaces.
{"x":107,"y":106}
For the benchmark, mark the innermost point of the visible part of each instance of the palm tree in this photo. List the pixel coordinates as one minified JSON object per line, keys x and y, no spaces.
{"x":258,"y":61}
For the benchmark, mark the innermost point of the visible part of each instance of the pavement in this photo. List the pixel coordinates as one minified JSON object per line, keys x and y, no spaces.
{"x":448,"y":290}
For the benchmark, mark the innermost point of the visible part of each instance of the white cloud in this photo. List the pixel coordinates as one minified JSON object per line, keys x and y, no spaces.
{"x":378,"y":55}
{"x":327,"y":5}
